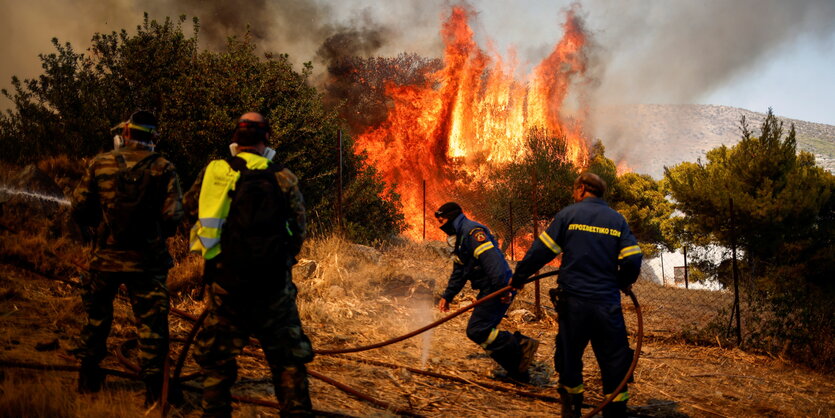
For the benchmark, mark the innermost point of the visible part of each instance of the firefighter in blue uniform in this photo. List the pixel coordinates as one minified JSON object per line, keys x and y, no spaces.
{"x":477,"y":259}
{"x":600,"y":257}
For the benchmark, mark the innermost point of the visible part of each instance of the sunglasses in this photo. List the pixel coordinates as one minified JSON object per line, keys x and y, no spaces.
{"x":151,"y":129}
{"x":244,"y":123}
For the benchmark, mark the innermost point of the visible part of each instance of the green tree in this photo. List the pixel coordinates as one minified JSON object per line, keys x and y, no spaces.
{"x":784,"y":224}
{"x":602,"y":166}
{"x":780,"y":197}
{"x":642,"y":201}
{"x":197,"y":96}
{"x":540,"y":181}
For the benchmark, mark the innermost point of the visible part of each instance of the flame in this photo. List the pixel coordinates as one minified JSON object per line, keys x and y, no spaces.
{"x":623,"y":168}
{"x":470,"y":115}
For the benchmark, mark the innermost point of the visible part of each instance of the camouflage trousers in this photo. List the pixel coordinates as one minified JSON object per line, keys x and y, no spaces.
{"x":149,"y":300}
{"x":272,"y":317}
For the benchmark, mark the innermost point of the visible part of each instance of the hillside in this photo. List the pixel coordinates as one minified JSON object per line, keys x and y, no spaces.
{"x":650,"y":137}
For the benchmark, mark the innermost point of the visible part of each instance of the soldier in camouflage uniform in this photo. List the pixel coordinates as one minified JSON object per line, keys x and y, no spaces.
{"x":268,"y":310}
{"x":129,"y":248}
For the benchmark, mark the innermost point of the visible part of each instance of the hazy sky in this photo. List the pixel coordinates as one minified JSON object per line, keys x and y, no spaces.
{"x":746,"y":53}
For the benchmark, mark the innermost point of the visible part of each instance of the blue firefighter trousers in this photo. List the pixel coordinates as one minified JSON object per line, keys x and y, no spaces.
{"x":582,"y":321}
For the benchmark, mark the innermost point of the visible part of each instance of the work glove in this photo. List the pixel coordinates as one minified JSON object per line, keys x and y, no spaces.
{"x":507,"y":298}
{"x":517,"y":281}
{"x":625,"y":283}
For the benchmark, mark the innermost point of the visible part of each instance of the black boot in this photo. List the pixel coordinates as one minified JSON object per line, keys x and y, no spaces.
{"x":528,"y":347}
{"x":153,"y":389}
{"x":292,"y":391}
{"x":615,"y":410}
{"x":90,"y":377}
{"x":508,"y":357}
{"x":572,"y":404}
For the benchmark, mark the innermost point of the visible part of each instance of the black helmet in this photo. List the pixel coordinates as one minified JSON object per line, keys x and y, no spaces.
{"x":449,"y":211}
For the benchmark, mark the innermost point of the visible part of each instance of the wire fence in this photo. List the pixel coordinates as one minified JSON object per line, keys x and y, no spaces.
{"x":676,"y":298}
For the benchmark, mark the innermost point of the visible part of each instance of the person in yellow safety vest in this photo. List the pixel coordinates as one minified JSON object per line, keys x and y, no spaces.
{"x":256,"y":297}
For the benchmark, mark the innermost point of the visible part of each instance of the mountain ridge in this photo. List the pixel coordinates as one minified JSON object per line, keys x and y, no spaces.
{"x":649,"y":137}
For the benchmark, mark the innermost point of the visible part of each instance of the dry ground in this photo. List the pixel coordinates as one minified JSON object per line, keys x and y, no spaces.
{"x":351,"y":295}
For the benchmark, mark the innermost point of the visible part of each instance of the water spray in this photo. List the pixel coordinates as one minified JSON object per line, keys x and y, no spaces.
{"x":35,"y":195}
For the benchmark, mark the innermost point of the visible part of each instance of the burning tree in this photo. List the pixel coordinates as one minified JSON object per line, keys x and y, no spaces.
{"x":357,"y":86}
{"x":472,"y":116}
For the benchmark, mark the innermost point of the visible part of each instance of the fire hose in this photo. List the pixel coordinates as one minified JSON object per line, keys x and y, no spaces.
{"x":500,"y":292}
{"x":127,"y":363}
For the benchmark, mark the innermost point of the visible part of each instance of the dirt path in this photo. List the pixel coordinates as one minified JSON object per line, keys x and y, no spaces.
{"x":672,"y":379}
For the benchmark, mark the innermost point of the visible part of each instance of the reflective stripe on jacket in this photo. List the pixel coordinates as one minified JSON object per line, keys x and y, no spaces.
{"x":478,"y":259}
{"x":214,"y":202}
{"x":600,"y":254}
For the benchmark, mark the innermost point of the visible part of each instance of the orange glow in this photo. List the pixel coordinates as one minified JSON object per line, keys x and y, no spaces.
{"x":623,"y":168}
{"x":470,"y":115}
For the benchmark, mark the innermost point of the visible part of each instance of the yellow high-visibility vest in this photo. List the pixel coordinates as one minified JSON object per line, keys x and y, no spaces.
{"x":214,"y":202}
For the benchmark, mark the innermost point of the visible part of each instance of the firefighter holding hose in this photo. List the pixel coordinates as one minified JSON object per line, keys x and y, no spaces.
{"x":130,"y":197}
{"x":477,"y":259}
{"x":600,"y":258}
{"x":251,"y":225}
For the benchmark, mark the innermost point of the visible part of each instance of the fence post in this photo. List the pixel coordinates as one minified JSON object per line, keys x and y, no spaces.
{"x":735,"y":273}
{"x":512,"y":252}
{"x":686,"y":283}
{"x":537,"y":303}
{"x":424,"y":210}
{"x":339,"y":189}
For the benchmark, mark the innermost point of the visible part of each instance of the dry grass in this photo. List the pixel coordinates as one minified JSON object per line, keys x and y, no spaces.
{"x":40,"y":394}
{"x":360,"y":294}
{"x":352,"y":295}
{"x":64,"y":171}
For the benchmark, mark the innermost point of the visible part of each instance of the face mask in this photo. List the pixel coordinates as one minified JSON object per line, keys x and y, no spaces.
{"x":250,"y":136}
{"x":450,"y":240}
{"x":448,"y":228}
{"x":269,"y":153}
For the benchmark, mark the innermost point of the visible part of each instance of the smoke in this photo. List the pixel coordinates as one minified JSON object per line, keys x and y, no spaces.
{"x":653,"y":51}
{"x":298,"y":28}
{"x":679,"y":52}
{"x":663,"y":51}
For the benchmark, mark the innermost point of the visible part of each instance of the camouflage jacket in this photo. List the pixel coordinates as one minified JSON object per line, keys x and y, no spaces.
{"x":97,"y":192}
{"x":289,"y":184}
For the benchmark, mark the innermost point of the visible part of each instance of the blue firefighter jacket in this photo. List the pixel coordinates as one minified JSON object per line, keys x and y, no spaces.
{"x":600,"y":254}
{"x":476,"y":258}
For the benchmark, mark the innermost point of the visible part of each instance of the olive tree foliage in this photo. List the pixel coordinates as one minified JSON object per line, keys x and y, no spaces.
{"x":197,"y":96}
{"x":642,"y":201}
{"x":537,"y":186}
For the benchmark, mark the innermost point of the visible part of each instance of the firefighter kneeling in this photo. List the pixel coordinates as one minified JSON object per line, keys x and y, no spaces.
{"x":477,"y":258}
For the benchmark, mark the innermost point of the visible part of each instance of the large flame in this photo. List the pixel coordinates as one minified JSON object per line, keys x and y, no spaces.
{"x":472,"y":112}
